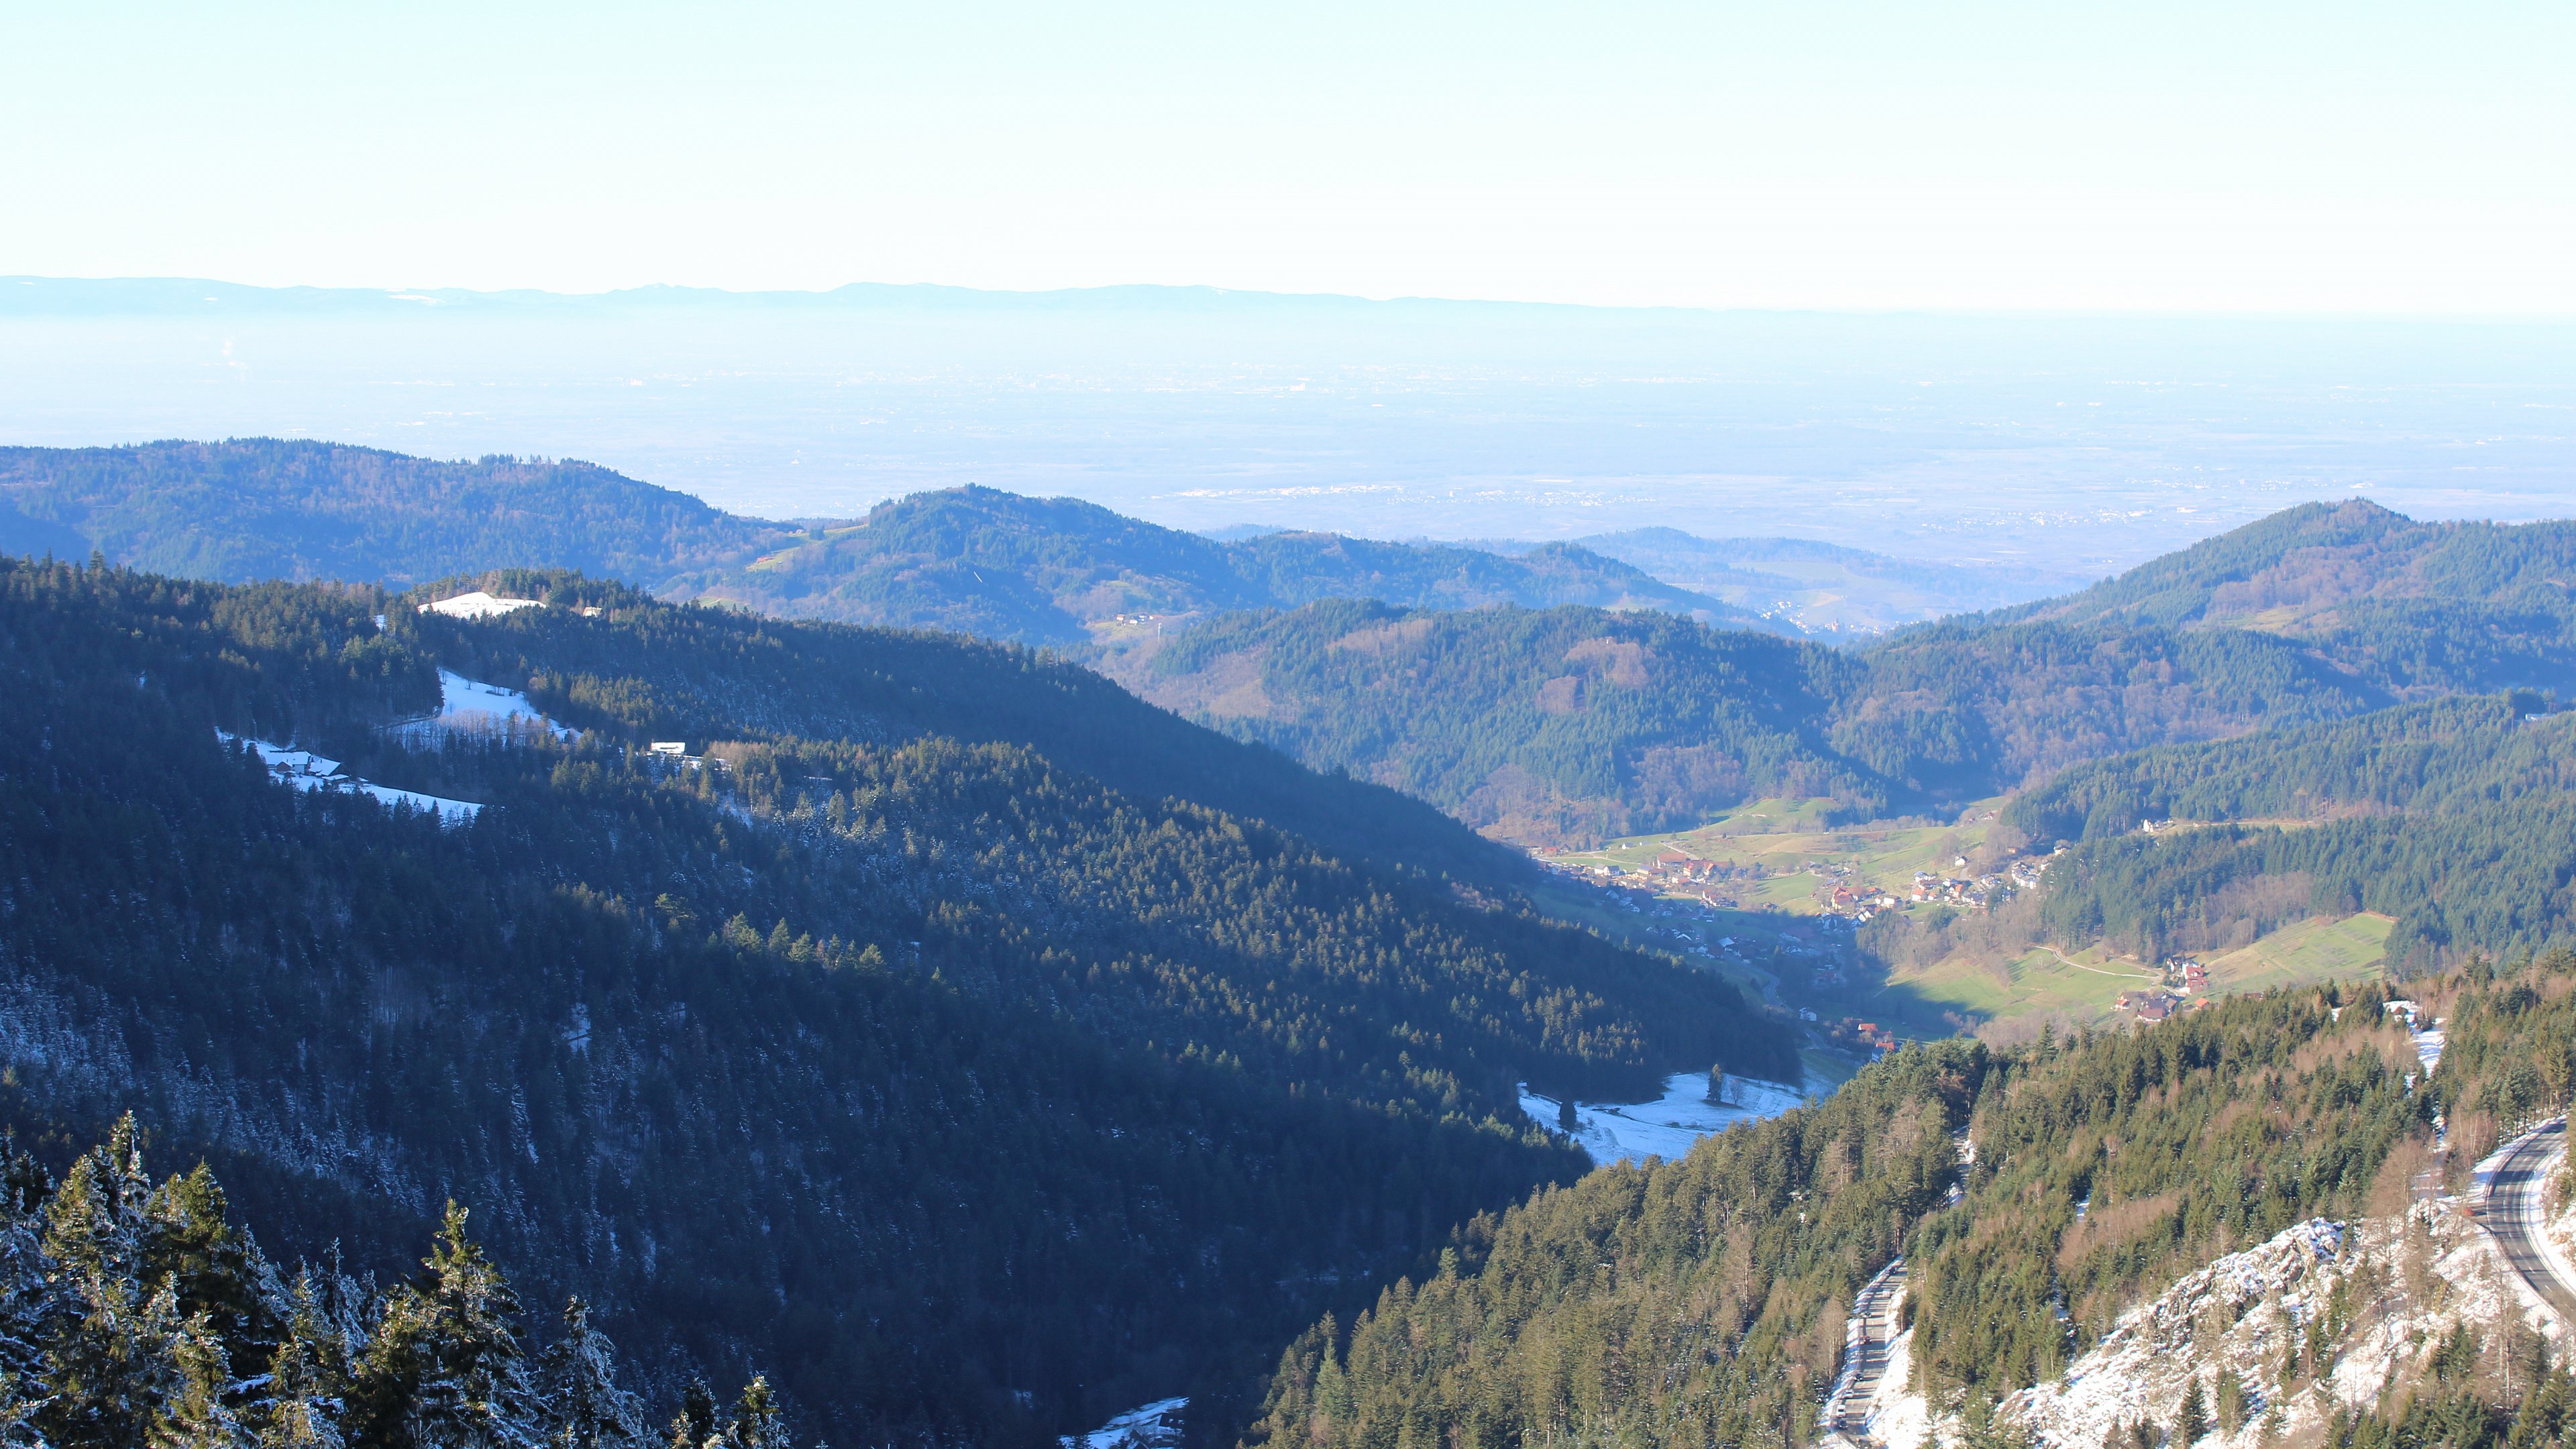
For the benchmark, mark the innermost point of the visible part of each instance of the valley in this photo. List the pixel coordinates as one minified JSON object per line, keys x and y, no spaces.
{"x":1270,"y":981}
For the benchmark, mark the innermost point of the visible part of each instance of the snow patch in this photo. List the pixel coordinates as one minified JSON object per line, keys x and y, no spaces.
{"x":1667,"y":1126}
{"x":479,"y":605}
{"x":305,"y":770}
{"x":1155,"y":1426}
{"x":2426,"y":1272}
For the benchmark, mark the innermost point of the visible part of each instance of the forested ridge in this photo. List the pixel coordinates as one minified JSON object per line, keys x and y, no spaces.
{"x":248,"y":509}
{"x":974,"y":560}
{"x":1575,"y":723}
{"x":1572,"y":724}
{"x":966,"y":1094}
{"x":1050,"y":570}
{"x":1702,"y":1301}
{"x":2451,"y":816}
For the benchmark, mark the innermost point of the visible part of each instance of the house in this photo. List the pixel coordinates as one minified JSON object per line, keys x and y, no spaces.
{"x":675,"y":749}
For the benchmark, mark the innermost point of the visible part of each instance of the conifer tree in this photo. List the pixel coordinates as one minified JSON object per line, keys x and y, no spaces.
{"x":694,"y":1427}
{"x":577,"y":1380}
{"x":2231,"y":1400}
{"x":757,"y":1423}
{"x":2191,"y":1422}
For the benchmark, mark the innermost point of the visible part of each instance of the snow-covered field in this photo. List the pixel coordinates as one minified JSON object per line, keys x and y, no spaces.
{"x":1155,"y":1426}
{"x":305,"y":770}
{"x":470,"y":703}
{"x":1669,"y":1125}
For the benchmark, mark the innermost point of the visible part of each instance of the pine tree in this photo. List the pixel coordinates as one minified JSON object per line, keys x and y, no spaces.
{"x":2191,"y":1422}
{"x":694,"y":1427}
{"x":445,"y":1366}
{"x":196,"y":1415}
{"x":757,"y":1423}
{"x":309,"y":1374}
{"x":577,"y":1380}
{"x":2232,"y":1400}
{"x":220,"y":1270}
{"x":110,"y":1365}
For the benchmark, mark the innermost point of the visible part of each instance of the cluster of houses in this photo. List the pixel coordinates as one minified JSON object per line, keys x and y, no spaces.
{"x":2183,"y":979}
{"x":1866,"y":1036}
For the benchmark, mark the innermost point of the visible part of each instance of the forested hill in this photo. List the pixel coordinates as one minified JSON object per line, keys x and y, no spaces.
{"x":666,"y":670}
{"x":2455,"y":817}
{"x":1569,"y":724}
{"x":973,"y":1097}
{"x":1703,"y":1301}
{"x":2405,"y":605}
{"x":265,"y":508}
{"x":1040,"y":571}
{"x":1061,"y":571}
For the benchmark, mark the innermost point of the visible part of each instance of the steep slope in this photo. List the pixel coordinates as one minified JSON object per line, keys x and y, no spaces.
{"x":1703,"y":1301}
{"x":972,"y":1096}
{"x":698,"y":672}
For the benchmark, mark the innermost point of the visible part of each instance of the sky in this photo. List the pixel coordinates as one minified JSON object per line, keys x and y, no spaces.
{"x":2230,"y":158}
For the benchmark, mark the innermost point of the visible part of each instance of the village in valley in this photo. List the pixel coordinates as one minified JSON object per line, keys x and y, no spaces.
{"x":1780,"y":898}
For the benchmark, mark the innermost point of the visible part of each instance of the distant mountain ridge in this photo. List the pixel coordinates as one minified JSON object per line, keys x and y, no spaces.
{"x":267,"y":508}
{"x":975,"y":560}
{"x":1062,"y":571}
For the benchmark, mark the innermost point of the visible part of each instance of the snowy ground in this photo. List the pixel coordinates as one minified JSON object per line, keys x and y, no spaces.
{"x":305,"y":770}
{"x":1155,"y":1426}
{"x":1668,"y":1126}
{"x":2412,"y":1279}
{"x":470,"y":703}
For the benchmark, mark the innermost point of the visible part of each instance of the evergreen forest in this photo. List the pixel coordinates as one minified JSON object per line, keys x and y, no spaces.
{"x":960,"y":1092}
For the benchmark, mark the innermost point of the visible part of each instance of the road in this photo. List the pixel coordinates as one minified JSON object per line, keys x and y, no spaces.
{"x":1873,"y":1327}
{"x":2513,"y":1207}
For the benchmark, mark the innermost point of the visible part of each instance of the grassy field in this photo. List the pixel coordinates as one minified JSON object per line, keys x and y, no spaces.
{"x":1798,"y":851}
{"x":2303,"y":953}
{"x":1784,"y":836}
{"x":2082,"y":987}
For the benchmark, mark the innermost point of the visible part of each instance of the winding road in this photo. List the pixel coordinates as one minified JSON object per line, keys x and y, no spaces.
{"x":2512,"y":1206}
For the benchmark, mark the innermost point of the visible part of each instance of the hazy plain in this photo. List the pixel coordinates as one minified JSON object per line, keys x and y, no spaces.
{"x":2075,"y":444}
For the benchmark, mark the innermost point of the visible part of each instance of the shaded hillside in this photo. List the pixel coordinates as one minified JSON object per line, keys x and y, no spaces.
{"x":1061,"y":571}
{"x":265,"y":508}
{"x":968,"y":1093}
{"x":705,"y":672}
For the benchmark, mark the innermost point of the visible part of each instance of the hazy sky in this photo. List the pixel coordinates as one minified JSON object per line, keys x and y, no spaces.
{"x":2237,"y":157}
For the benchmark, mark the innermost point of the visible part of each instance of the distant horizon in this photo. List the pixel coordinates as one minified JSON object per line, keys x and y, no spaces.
{"x":429,"y":292}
